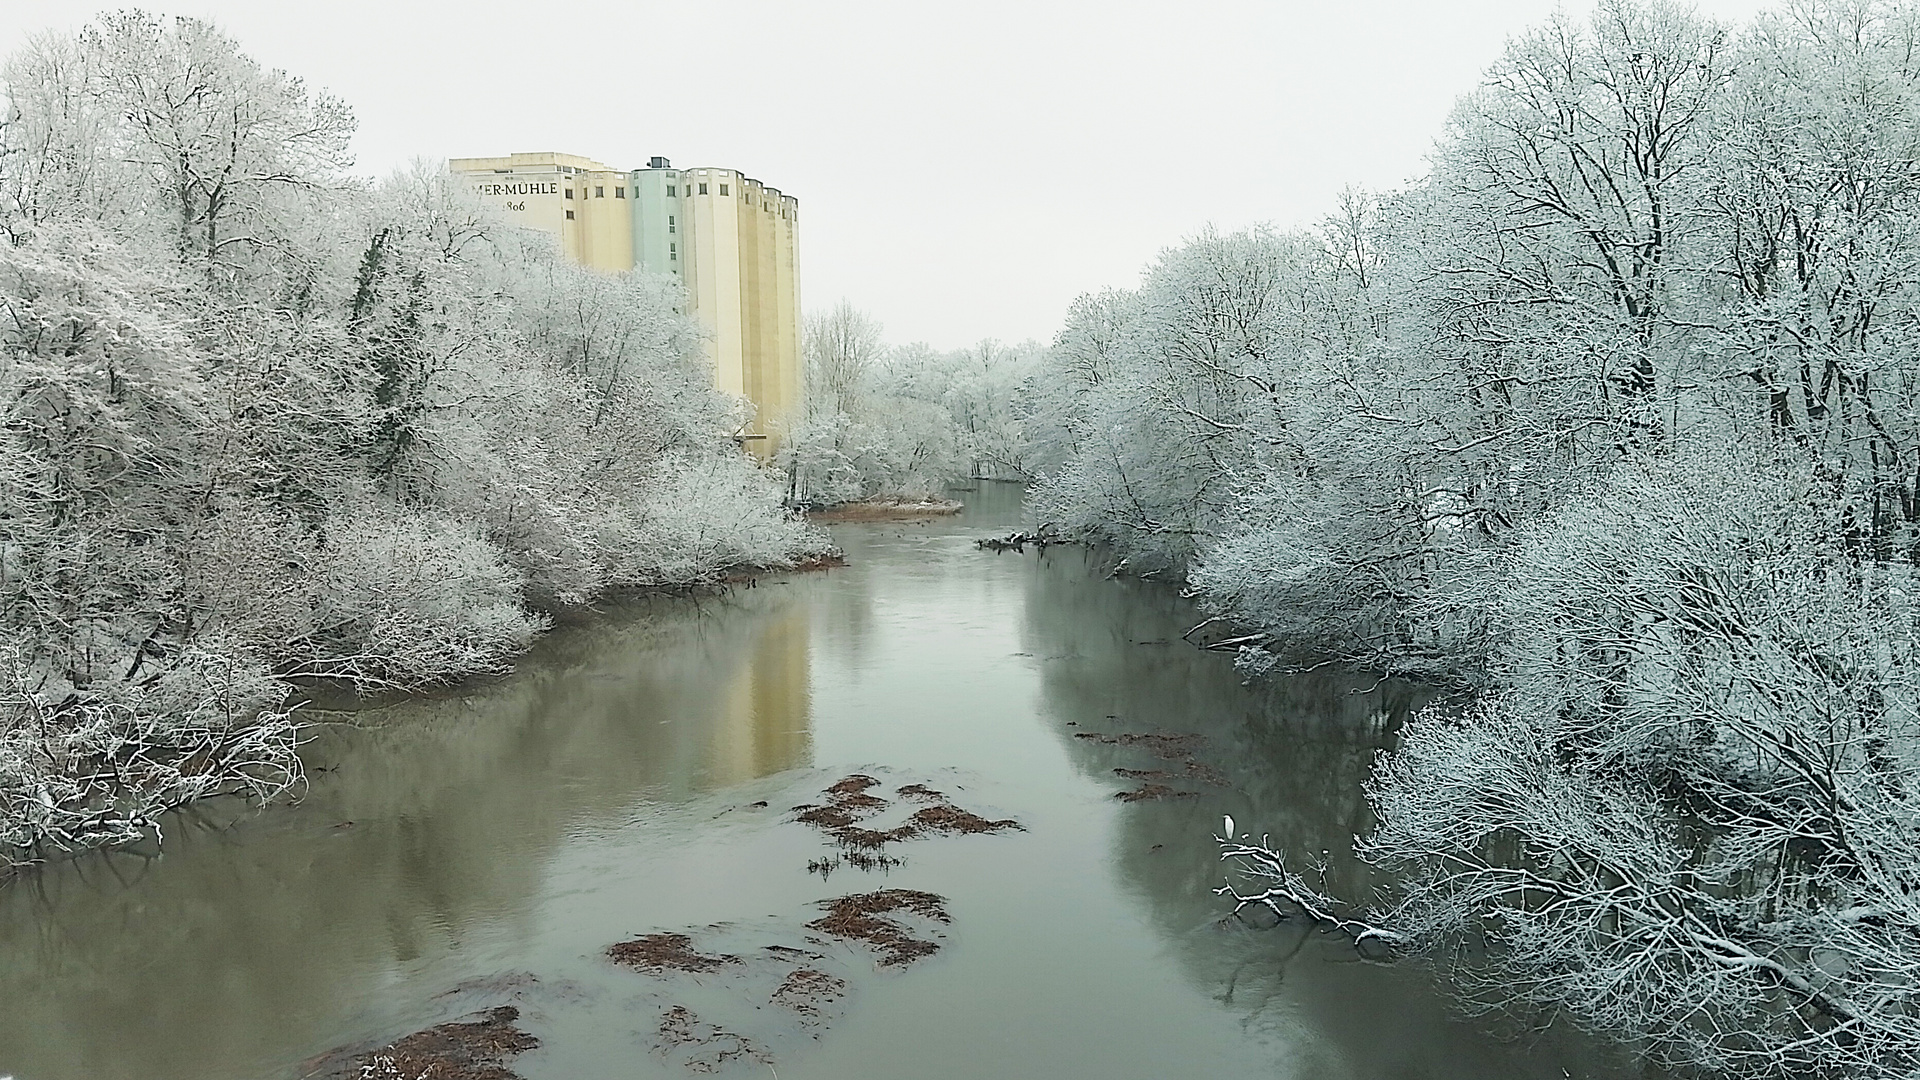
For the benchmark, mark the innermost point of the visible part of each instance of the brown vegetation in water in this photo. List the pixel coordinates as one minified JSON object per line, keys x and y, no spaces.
{"x":1154,"y":783}
{"x":861,"y":917}
{"x":851,"y":785}
{"x":704,"y":1047}
{"x":948,"y":818}
{"x":666,"y":952}
{"x":1153,"y":791}
{"x":871,"y":860}
{"x":829,"y":817}
{"x":809,"y":992}
{"x":1195,"y":770}
{"x":860,"y":839}
{"x":848,"y":803}
{"x":1165,"y":747}
{"x":460,"y":1050}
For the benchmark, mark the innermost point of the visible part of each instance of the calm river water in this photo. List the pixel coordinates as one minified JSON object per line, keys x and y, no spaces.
{"x":487,"y":846}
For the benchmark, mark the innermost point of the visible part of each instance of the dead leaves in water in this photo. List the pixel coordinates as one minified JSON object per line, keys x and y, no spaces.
{"x":726,"y":1001}
{"x":1166,"y":747}
{"x":1155,"y":784}
{"x":767,"y":993}
{"x":704,"y":1047}
{"x":809,"y":991}
{"x":1146,"y":792}
{"x":465,"y":1049}
{"x":762,"y":995}
{"x":665,"y":952}
{"x":848,"y":803}
{"x":864,"y":917}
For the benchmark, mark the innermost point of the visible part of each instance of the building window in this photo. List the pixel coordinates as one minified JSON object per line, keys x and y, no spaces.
{"x":723,"y":189}
{"x":569,"y":193}
{"x":619,"y":193}
{"x":673,"y":252}
{"x":670,"y":227}
{"x":703,"y":189}
{"x":599,"y":191}
{"x":569,"y":215}
{"x":669,"y":191}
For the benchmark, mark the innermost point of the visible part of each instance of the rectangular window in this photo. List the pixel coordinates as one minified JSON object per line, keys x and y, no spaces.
{"x":723,"y":189}
{"x":669,"y":191}
{"x":569,"y":215}
{"x":619,"y":193}
{"x":599,"y":191}
{"x":569,"y":193}
{"x":670,"y":227}
{"x":703,"y":189}
{"x":673,"y":252}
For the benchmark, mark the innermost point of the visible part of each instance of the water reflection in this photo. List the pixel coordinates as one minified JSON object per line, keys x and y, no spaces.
{"x":425,"y":834}
{"x":632,"y":776}
{"x":1295,"y":755}
{"x":765,"y":719}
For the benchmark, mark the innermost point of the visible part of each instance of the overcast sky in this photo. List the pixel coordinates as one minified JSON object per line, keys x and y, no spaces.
{"x":964,"y":169}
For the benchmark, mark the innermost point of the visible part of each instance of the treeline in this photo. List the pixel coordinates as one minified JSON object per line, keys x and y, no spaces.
{"x":885,"y":421}
{"x":1614,"y":421}
{"x":261,"y":422}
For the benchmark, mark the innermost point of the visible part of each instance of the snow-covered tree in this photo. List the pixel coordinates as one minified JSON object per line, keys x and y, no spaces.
{"x":260,"y":421}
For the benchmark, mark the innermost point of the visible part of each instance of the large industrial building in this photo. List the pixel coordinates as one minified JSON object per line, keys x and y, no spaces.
{"x":731,"y":240}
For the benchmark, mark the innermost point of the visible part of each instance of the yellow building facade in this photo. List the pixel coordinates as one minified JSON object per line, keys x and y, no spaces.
{"x":732,"y":241}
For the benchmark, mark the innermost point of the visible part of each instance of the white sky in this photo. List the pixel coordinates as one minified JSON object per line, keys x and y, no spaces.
{"x":964,"y":169}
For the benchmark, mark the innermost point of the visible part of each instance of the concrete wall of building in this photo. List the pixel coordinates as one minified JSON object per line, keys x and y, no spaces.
{"x":767,"y":320}
{"x":577,"y":200}
{"x":604,"y":219}
{"x":711,"y":210}
{"x":786,"y":288}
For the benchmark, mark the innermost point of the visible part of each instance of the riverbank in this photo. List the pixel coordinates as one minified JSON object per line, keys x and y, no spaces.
{"x":884,"y":510}
{"x":638,"y":776}
{"x":56,"y":805}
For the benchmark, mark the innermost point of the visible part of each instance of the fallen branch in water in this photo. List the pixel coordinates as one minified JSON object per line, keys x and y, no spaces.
{"x":1043,"y":538}
{"x":1286,"y":892}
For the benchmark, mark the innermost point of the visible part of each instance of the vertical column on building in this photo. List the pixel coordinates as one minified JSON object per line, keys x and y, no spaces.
{"x":786,"y":227}
{"x":716,"y":272}
{"x":606,"y":224}
{"x":753,"y":367}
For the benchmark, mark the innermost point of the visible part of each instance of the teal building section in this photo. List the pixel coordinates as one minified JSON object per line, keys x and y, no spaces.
{"x":658,"y":229}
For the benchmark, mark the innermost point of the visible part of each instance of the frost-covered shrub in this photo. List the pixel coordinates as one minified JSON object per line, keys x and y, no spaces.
{"x":96,"y":770}
{"x":291,"y":425}
{"x":408,"y":600}
{"x":1688,"y":810}
{"x":701,"y":519}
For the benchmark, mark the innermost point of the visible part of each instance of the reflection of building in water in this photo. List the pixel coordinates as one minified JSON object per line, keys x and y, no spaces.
{"x":766,"y":713}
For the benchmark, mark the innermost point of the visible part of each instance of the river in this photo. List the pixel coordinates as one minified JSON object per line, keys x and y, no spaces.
{"x":636,"y":776}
